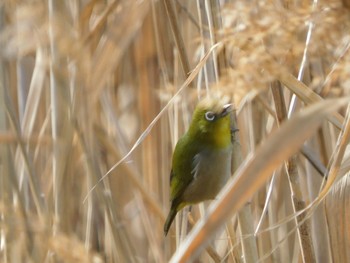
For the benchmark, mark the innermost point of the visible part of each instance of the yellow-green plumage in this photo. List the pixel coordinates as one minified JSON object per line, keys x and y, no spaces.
{"x":201,"y":162}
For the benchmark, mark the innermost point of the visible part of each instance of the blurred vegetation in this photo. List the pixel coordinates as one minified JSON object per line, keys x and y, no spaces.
{"x":94,"y":95}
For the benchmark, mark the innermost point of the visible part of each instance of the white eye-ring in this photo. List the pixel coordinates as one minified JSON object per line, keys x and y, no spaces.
{"x":209,"y":115}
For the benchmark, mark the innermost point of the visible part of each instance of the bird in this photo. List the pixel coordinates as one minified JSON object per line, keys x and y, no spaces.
{"x":201,"y":162}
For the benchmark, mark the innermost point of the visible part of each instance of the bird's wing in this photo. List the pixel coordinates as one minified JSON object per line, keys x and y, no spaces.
{"x":182,"y":174}
{"x":171,"y":175}
{"x":178,"y":184}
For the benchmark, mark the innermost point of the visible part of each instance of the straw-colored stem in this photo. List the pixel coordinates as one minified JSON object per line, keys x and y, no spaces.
{"x":245,"y":220}
{"x":177,"y":36}
{"x":303,"y":231}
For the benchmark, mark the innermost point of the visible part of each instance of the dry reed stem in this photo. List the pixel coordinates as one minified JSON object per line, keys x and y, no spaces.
{"x":298,"y":202}
{"x":177,"y":36}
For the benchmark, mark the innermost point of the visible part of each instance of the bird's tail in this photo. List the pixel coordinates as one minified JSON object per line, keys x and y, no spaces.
{"x":169,"y":220}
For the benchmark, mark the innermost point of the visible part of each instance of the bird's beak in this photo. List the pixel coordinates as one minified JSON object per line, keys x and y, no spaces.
{"x":226,"y":110}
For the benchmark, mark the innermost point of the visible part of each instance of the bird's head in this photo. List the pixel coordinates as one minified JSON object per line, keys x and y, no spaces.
{"x":211,"y":122}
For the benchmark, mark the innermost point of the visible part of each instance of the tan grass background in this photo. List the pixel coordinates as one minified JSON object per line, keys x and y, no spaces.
{"x":93,"y":89}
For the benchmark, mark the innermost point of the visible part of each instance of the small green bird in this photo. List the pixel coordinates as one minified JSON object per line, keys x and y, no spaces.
{"x":201,"y":162}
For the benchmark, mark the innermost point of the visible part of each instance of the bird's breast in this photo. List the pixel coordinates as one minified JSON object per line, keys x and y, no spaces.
{"x":211,"y":170}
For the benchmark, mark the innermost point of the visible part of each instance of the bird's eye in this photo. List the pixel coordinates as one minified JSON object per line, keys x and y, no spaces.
{"x":210,"y":116}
